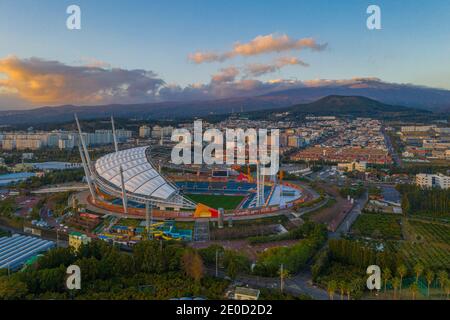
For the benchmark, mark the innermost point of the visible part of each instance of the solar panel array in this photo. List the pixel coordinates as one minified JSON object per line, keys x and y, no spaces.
{"x":16,"y":250}
{"x":138,"y":174}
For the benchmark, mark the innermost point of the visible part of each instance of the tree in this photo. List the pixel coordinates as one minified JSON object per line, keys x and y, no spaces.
{"x":348,"y":290}
{"x":235,"y":262}
{"x":401,"y":270}
{"x":442,"y":278}
{"x":418,"y":269}
{"x":357,"y":287}
{"x":430,"y":277}
{"x":342,"y":287}
{"x":232,"y":269}
{"x":447,"y":288}
{"x":395,"y":284}
{"x":284,"y":274}
{"x":387,"y":275}
{"x":331,"y":289}
{"x":12,"y":289}
{"x":192,"y":264}
{"x":414,"y":289}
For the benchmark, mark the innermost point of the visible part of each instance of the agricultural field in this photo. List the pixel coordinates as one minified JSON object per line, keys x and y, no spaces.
{"x":431,"y":232}
{"x":217,"y":201}
{"x":432,"y":255}
{"x":378,"y":226}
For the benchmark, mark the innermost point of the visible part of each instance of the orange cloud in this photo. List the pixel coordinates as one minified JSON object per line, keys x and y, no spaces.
{"x":259,"y":69}
{"x":259,"y":45}
{"x":226,"y":75}
{"x":39,"y":81}
{"x":271,"y":43}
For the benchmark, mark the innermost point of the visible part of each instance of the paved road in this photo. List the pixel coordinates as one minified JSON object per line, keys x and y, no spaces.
{"x":350,"y":218}
{"x":296,"y":285}
{"x":391,"y":149}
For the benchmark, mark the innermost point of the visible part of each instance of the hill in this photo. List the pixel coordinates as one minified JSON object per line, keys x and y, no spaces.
{"x":335,"y":105}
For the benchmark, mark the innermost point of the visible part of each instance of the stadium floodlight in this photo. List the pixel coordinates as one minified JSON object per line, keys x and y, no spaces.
{"x":116,"y":147}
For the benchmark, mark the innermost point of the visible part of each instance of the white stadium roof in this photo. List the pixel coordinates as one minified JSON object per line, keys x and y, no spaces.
{"x":139,"y":175}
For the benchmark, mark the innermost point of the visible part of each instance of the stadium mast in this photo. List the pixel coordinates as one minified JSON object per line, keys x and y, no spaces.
{"x":124,"y":192}
{"x":87,"y":174}
{"x":86,"y":160}
{"x":116,"y":147}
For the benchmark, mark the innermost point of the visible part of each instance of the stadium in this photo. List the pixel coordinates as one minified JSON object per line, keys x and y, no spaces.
{"x":127,"y":182}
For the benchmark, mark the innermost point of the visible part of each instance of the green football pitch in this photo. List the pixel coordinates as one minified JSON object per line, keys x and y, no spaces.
{"x":217,"y":201}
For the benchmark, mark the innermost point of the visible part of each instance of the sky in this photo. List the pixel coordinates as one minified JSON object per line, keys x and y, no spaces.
{"x":145,"y":51}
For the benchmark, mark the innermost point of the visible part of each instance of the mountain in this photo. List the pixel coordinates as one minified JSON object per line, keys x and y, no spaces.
{"x":335,"y":105}
{"x":158,"y":111}
{"x":436,"y":100}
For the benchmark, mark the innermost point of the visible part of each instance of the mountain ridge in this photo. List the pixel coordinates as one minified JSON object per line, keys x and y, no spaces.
{"x":436,"y":100}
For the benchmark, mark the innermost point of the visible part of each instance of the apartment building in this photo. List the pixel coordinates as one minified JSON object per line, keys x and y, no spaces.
{"x":433,"y":180}
{"x":144,"y":131}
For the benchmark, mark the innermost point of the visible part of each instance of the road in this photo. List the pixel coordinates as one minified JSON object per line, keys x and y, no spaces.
{"x":350,"y":218}
{"x":296,"y":285}
{"x":60,"y":189}
{"x":391,"y":149}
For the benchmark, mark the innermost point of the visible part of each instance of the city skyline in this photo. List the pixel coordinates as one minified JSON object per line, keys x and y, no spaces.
{"x":149,"y":52}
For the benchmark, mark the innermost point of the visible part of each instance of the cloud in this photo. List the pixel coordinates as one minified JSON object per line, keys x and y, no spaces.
{"x":44,"y":82}
{"x":252,"y":87}
{"x":200,"y":57}
{"x":259,"y":69}
{"x":226,"y":75}
{"x":259,"y":45}
{"x":26,"y":83}
{"x":219,"y":90}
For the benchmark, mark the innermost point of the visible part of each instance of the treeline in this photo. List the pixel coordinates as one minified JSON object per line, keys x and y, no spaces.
{"x":293,"y":258}
{"x":304,"y":231}
{"x":52,"y":178}
{"x":433,"y":202}
{"x":354,"y":192}
{"x":232,"y":261}
{"x":341,"y":267}
{"x":155,"y":270}
{"x":358,"y":254}
{"x":422,"y":168}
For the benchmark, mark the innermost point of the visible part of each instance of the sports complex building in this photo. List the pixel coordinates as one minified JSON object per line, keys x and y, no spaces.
{"x":127,"y":182}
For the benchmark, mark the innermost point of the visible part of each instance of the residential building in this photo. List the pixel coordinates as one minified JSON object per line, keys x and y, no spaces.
{"x":244,"y":293}
{"x":433,"y":180}
{"x":76,"y":239}
{"x":144,"y":131}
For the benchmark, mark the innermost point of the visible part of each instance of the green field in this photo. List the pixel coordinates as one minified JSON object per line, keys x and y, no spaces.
{"x":431,"y":232}
{"x":378,"y":226}
{"x":428,"y":243}
{"x":217,"y":201}
{"x":434,"y":256}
